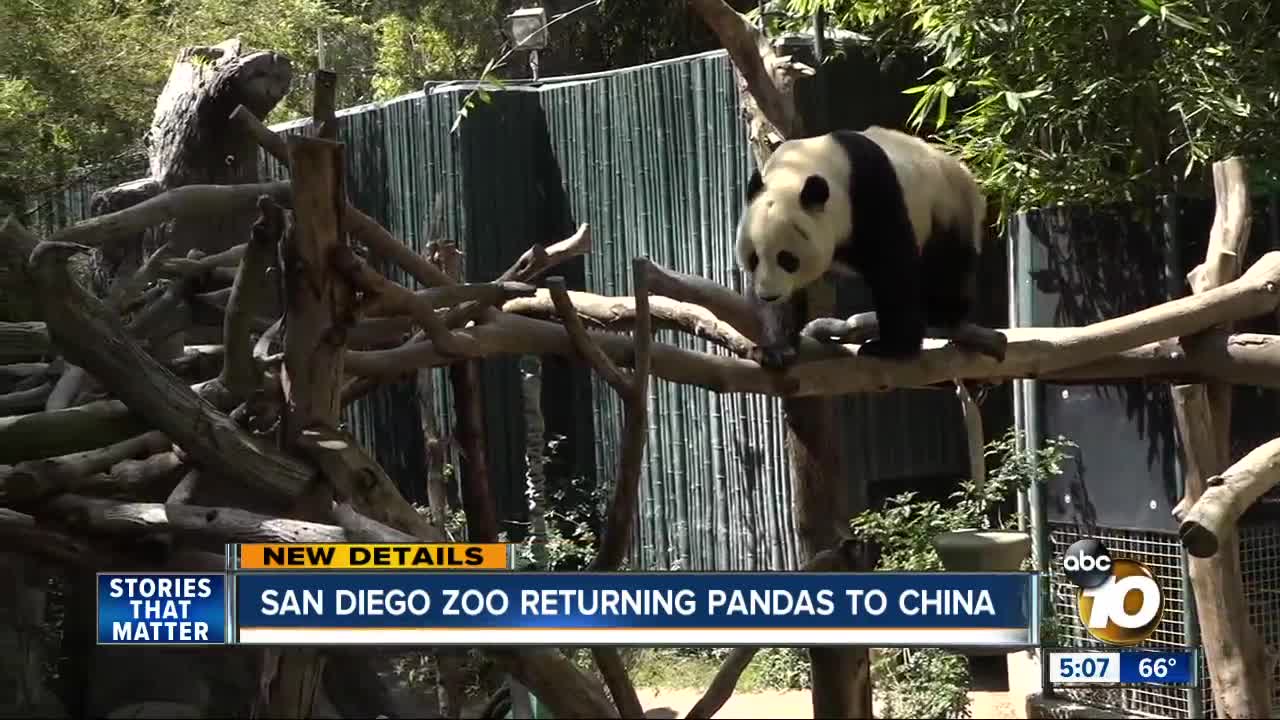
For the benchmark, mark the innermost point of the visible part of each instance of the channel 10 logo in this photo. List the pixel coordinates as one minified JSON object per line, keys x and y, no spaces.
{"x":1119,"y":600}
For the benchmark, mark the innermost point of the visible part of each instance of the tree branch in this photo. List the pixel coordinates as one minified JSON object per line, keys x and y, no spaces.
{"x":124,"y":292}
{"x":588,"y":351}
{"x":723,"y":684}
{"x":360,"y":225}
{"x":190,"y":267}
{"x":537,"y":259}
{"x":189,"y":201}
{"x":1031,"y":352}
{"x":743,"y":41}
{"x":1226,"y":498}
{"x":723,"y":303}
{"x":240,"y":374}
{"x":357,"y":478}
{"x":620,"y":686}
{"x":635,"y":433}
{"x":618,"y":313}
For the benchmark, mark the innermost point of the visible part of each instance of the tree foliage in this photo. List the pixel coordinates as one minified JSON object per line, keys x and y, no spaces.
{"x":1094,"y":100}
{"x":78,"y":78}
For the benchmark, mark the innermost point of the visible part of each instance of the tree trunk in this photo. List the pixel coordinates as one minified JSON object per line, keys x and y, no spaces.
{"x":319,"y":307}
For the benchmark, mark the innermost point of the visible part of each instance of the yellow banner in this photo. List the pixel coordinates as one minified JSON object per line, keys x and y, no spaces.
{"x":374,"y":556}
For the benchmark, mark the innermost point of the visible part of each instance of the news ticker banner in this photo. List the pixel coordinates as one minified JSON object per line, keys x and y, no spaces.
{"x":1123,"y":667}
{"x":455,"y":594}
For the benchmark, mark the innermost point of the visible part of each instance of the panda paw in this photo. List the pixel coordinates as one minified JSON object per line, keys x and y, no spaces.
{"x":777,"y":357}
{"x":889,"y":351}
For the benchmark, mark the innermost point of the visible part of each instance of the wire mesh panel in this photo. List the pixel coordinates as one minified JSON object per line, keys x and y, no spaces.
{"x":1162,"y":554}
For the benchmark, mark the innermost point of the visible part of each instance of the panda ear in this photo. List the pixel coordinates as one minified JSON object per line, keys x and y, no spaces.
{"x":754,"y":185}
{"x":815,"y":193}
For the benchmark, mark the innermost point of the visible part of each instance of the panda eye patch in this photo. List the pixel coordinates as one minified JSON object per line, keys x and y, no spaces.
{"x":788,"y":261}
{"x":752,"y":261}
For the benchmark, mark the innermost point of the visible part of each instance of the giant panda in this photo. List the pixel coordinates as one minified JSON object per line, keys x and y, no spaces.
{"x":903,"y":214}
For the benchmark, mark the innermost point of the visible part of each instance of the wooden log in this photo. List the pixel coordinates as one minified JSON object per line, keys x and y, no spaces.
{"x":61,"y":432}
{"x":91,"y":337}
{"x":24,"y":342}
{"x":191,"y":202}
{"x":1227,"y":496}
{"x":198,"y":362}
{"x":865,"y":326}
{"x":358,"y":478}
{"x":25,"y":401}
{"x":67,"y":389}
{"x":49,"y":476}
{"x":434,"y":444}
{"x":320,"y":302}
{"x":20,"y":371}
{"x":240,"y":374}
{"x":142,"y":479}
{"x":1238,"y":665}
{"x":724,"y":303}
{"x":1236,"y":657}
{"x":211,"y":527}
{"x":19,"y":532}
{"x":618,"y":313}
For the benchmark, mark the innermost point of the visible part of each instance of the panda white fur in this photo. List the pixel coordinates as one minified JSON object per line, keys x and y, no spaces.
{"x":905,"y":215}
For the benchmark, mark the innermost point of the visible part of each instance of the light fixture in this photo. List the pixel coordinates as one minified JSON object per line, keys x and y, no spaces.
{"x":526,"y":28}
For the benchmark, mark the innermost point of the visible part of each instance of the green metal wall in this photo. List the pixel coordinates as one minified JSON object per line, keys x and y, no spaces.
{"x":655,"y":158}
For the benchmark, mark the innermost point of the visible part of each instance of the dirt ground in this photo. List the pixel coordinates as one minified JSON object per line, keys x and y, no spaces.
{"x":796,"y":704}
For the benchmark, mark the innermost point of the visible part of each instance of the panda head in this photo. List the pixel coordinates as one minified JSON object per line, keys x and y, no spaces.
{"x":797,"y":213}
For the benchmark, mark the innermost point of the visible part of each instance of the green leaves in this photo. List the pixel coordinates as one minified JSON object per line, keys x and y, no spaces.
{"x":1092,"y":100}
{"x":79,"y":78}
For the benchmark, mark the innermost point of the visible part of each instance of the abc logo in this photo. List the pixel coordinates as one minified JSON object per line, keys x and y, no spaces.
{"x":1119,"y":600}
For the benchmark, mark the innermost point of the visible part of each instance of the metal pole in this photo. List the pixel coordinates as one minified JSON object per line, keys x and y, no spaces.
{"x":1028,"y":402}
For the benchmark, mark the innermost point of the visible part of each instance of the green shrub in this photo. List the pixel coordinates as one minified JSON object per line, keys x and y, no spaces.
{"x":930,"y":682}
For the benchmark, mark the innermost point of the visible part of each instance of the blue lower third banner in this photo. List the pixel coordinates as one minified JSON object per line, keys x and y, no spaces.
{"x":162,"y":608}
{"x":637,"y":609}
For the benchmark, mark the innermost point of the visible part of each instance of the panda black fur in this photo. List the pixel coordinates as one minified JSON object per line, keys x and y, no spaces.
{"x":905,"y":215}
